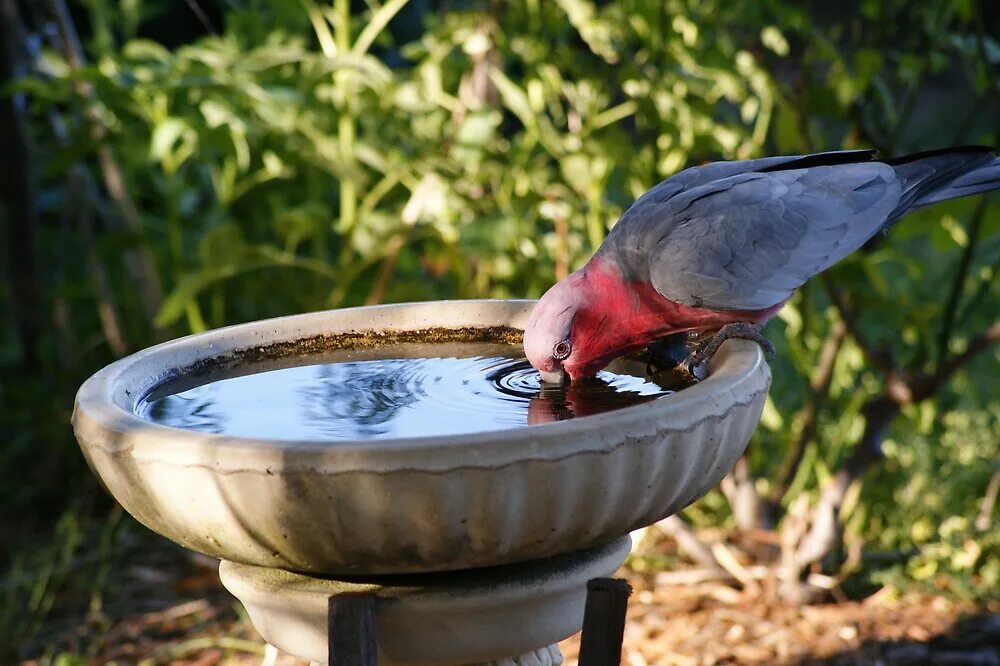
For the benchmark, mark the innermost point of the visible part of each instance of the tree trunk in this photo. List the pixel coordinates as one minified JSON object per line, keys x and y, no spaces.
{"x":18,"y":196}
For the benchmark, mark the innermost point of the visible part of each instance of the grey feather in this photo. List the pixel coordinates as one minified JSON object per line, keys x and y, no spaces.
{"x":982,"y":179}
{"x":779,"y":229}
{"x":745,"y":235}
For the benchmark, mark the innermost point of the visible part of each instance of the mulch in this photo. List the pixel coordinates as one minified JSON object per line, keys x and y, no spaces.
{"x":669,"y":624}
{"x":711,"y":623}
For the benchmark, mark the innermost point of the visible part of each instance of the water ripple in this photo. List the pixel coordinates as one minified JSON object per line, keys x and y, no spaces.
{"x":360,"y":397}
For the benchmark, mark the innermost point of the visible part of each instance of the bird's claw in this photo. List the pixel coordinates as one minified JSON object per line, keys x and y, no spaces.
{"x":705,"y":349}
{"x":687,"y":356}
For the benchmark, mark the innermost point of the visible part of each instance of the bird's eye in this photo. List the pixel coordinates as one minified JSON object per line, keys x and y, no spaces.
{"x":562,"y":350}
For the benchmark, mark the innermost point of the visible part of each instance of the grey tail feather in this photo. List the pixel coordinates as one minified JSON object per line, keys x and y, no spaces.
{"x":982,"y":179}
{"x":944,"y":174}
{"x":938,"y":175}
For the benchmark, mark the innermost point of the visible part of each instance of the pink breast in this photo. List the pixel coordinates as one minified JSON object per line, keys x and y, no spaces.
{"x":625,"y":316}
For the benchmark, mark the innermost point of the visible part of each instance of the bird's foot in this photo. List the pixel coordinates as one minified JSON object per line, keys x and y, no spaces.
{"x":706,"y":349}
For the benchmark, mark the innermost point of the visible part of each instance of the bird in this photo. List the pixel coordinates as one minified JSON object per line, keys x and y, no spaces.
{"x":717,"y":249}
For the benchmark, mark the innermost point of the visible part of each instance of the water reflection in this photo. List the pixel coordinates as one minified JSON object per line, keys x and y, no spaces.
{"x":399,"y":391}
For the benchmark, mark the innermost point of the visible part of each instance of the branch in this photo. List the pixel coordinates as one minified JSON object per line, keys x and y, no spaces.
{"x":688,"y":542}
{"x":983,"y":521}
{"x":741,"y":493}
{"x":877,"y":358}
{"x":981,"y":290}
{"x":385,"y":271}
{"x":107,"y":308}
{"x":139,"y":261}
{"x":202,"y":17}
{"x":958,"y":284}
{"x":928,"y":385}
{"x":17,"y":194}
{"x":808,"y":415}
{"x":879,"y":415}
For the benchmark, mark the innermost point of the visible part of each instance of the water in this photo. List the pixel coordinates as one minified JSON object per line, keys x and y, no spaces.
{"x":403,"y":390}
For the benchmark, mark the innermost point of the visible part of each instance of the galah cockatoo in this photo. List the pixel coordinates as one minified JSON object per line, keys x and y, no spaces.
{"x":721,"y":247}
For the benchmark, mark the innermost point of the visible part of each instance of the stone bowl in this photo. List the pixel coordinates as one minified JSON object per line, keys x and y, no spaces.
{"x":418,"y":504}
{"x":501,"y":616}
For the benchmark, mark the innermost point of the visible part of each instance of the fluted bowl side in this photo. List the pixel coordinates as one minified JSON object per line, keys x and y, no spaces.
{"x":417,"y":504}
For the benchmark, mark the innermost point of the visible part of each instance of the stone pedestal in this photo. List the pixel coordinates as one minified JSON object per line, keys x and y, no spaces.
{"x":505,"y":615}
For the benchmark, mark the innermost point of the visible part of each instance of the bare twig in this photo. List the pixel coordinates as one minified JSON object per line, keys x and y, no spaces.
{"x":175,"y":612}
{"x":984,"y":519}
{"x":197,"y":10}
{"x":83,"y":199}
{"x":879,"y":413}
{"x":693,"y":576}
{"x":562,"y":247}
{"x":140,"y":262}
{"x":727,"y":560}
{"x":107,"y":307}
{"x":688,"y":542}
{"x":877,"y":358}
{"x":18,"y":197}
{"x":961,"y":274}
{"x":741,"y":493}
{"x":176,"y":651}
{"x":953,"y":364}
{"x":981,"y":289}
{"x":385,"y":271}
{"x":807,"y":417}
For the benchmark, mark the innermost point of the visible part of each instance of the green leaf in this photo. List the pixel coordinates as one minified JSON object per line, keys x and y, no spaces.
{"x":772,"y":38}
{"x":376,"y":24}
{"x":146,"y":49}
{"x":514,"y":98}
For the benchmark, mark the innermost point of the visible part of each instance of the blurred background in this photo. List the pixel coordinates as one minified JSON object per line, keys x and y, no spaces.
{"x":170,"y":167}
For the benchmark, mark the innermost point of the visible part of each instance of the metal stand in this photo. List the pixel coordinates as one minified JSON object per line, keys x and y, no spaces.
{"x":352,"y":640}
{"x":604,"y":622}
{"x":351,"y":622}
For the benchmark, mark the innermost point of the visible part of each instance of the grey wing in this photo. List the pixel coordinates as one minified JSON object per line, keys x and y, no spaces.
{"x":748,"y":241}
{"x":704,"y":174}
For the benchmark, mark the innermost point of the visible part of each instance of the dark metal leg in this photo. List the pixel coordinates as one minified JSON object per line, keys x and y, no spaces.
{"x":604,"y":622}
{"x":351,"y":627}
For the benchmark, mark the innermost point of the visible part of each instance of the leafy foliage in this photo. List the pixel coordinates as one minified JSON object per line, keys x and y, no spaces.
{"x":312,"y":156}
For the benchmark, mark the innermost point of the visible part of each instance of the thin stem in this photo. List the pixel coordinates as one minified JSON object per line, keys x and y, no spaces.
{"x":958,"y":284}
{"x":808,"y":415}
{"x":202,"y":17}
{"x":346,"y":128}
{"x":18,"y":193}
{"x":879,"y":415}
{"x":983,"y":520}
{"x":385,"y":271}
{"x":107,"y":308}
{"x":950,"y":366}
{"x":877,"y":358}
{"x":140,"y":262}
{"x":977,"y":296}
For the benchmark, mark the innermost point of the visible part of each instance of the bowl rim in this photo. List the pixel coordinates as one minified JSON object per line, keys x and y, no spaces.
{"x":739,"y":373}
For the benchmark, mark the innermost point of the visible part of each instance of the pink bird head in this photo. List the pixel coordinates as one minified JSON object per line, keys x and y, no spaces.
{"x":596,"y":315}
{"x":571,"y":332}
{"x":548,"y":338}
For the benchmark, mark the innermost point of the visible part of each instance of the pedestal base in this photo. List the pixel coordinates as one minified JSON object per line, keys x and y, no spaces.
{"x":512,"y":614}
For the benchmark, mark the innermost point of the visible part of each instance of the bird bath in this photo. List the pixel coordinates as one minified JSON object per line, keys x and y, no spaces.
{"x":477,"y":546}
